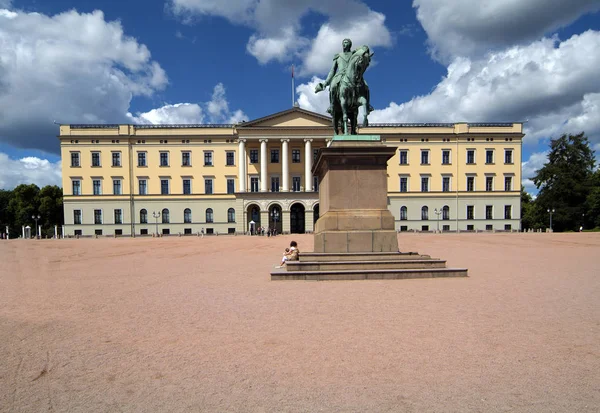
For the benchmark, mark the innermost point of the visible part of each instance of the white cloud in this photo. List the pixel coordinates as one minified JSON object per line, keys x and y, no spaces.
{"x":278,"y":32}
{"x":530,"y":167}
{"x":467,"y":28}
{"x":5,"y":4}
{"x":553,"y":85}
{"x":28,"y":170}
{"x":214,"y":111}
{"x":179,"y":113}
{"x":309,"y":100}
{"x":70,"y":67}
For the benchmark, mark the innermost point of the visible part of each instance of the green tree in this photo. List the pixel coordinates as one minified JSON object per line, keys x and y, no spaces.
{"x":531,"y":216}
{"x":23,"y":204}
{"x":565,"y":181}
{"x":51,"y":208}
{"x":5,"y":215}
{"x":592,"y":214}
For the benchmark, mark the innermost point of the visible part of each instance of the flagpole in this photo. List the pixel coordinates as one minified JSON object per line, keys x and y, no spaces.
{"x":293,"y":88}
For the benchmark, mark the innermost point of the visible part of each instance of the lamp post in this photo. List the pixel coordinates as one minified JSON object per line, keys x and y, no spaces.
{"x":275,"y":216}
{"x":551,"y":211}
{"x":156,"y":215}
{"x":438,"y":213}
{"x":36,"y":218}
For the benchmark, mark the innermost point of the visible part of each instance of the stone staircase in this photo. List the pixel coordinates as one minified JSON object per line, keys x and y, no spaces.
{"x":364,"y":266}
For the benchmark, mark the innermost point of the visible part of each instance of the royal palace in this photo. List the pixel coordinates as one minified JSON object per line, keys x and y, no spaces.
{"x":230,"y":179}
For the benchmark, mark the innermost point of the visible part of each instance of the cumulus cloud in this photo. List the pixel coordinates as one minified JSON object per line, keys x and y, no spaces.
{"x":278,"y":32}
{"x":214,"y":111}
{"x":530,"y":167}
{"x":467,"y":28}
{"x":70,"y":67}
{"x":28,"y":170}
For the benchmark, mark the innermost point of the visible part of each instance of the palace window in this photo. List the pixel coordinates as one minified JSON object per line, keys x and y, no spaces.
{"x":445,"y":184}
{"x":470,"y":183}
{"x":97,"y":185}
{"x":164,"y":159}
{"x":295,"y":155}
{"x":165,"y":216}
{"x":446,"y":213}
{"x":403,"y":213}
{"x":208,"y":158}
{"x":143,"y":186}
{"x":489,"y":212}
{"x":316,"y":183}
{"x":209,"y":215}
{"x":230,"y":158}
{"x":470,"y":212}
{"x":142,"y":159}
{"x":253,"y":155}
{"x":253,"y":184}
{"x":187,"y":186}
{"x":424,"y":157}
{"x":118,"y":216}
{"x":186,"y":159}
{"x":508,"y":183}
{"x":489,"y":183}
{"x":116,"y":187}
{"x":446,"y":157}
{"x":403,"y":184}
{"x":96,"y":159}
{"x":187,"y":216}
{"x":76,"y":187}
{"x":507,"y":211}
{"x":97,"y":216}
{"x":116,"y":159}
{"x":425,"y":213}
{"x":471,"y":156}
{"x":164,"y":187}
{"x":508,"y":156}
{"x":230,"y":186}
{"x":489,"y":156}
{"x":75,"y":159}
{"x":77,"y":217}
{"x":296,"y":183}
{"x":208,"y":186}
{"x":403,"y":157}
{"x":315,"y":154}
{"x":231,"y":215}
{"x":274,"y":155}
{"x":274,"y":184}
{"x":424,"y":184}
{"x":143,"y":216}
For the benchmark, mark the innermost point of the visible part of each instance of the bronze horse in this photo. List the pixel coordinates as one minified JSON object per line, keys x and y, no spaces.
{"x":351,"y":93}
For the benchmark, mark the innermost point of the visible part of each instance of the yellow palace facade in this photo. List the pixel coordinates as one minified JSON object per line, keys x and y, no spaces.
{"x":230,"y":179}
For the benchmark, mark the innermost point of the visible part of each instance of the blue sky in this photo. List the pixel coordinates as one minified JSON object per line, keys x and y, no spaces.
{"x":208,"y":61}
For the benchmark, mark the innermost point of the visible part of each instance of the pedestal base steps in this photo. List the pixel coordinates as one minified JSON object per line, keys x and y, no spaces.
{"x":365,"y":266}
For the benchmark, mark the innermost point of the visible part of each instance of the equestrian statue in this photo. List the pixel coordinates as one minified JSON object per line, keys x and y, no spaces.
{"x":348,"y":90}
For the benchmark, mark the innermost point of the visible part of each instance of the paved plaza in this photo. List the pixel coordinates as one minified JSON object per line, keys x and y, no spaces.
{"x":195,"y":324}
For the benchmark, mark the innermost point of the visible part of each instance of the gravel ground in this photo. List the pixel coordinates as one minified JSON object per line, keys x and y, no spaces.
{"x":195,"y":324}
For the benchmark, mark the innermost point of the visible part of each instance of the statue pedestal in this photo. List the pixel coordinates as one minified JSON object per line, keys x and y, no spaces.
{"x":355,"y":237}
{"x":353,"y":197}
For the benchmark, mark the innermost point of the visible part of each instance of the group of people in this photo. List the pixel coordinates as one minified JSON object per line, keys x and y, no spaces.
{"x":290,"y":254}
{"x":269,"y":232}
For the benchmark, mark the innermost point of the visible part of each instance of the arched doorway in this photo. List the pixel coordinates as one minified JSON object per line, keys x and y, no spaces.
{"x":297,"y":218}
{"x":275,"y":217}
{"x":253,"y":218}
{"x":315,"y":214}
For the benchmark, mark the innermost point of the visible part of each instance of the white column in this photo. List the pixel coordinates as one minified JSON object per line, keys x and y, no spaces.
{"x":308,"y":158}
{"x":63,"y":232}
{"x":56,"y":232}
{"x":285,"y":169}
{"x":242,"y":165}
{"x":263,"y":166}
{"x":23,"y":229}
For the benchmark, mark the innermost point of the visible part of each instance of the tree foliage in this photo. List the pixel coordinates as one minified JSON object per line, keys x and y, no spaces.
{"x":20,"y":204}
{"x":568,"y":185}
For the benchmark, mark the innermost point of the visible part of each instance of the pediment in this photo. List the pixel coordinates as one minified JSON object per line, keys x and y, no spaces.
{"x":293,"y":118}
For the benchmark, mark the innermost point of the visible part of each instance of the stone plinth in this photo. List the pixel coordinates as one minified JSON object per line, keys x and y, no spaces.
{"x":353,"y":198}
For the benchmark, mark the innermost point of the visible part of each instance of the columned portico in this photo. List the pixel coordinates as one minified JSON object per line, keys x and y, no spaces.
{"x":263,"y":165}
{"x":242,"y":171}
{"x":308,"y":181}
{"x":285,"y":169}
